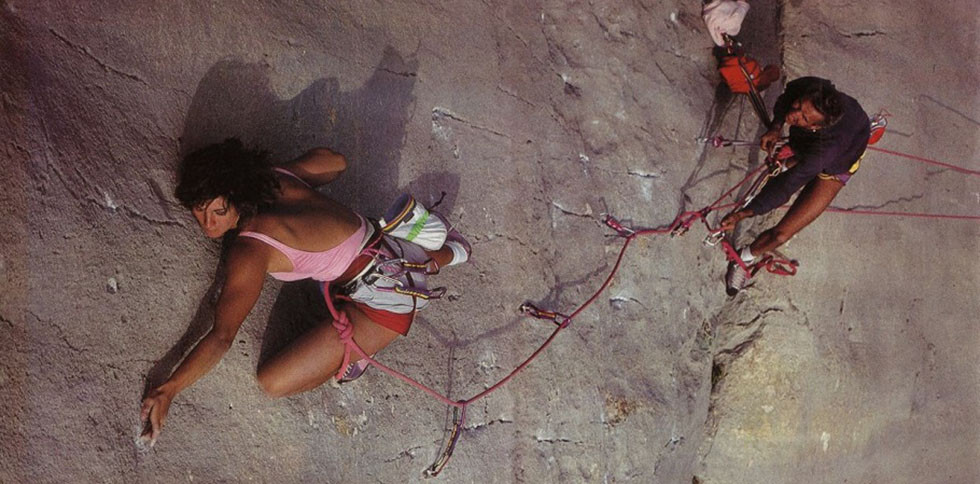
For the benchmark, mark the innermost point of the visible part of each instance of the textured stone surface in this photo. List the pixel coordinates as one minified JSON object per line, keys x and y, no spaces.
{"x":865,"y":367}
{"x":535,"y":119}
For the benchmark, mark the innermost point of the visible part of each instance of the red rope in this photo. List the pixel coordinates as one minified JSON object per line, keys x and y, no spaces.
{"x":902,"y":214}
{"x":681,"y":223}
{"x":926,"y":160}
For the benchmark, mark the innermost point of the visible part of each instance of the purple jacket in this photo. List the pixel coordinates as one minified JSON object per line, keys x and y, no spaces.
{"x":830,"y":150}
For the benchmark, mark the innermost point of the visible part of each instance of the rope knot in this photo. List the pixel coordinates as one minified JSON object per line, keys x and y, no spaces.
{"x":343,"y":326}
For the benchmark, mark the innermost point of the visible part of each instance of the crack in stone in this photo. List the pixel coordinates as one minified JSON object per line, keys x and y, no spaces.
{"x":488,"y":423}
{"x":586,"y":214}
{"x":760,"y":316}
{"x":863,"y":33}
{"x":557,"y":440}
{"x":664,"y":73}
{"x":515,"y":96}
{"x":410,"y":453}
{"x":88,"y":52}
{"x":398,"y":73}
{"x":490,"y":237}
{"x":61,"y":332}
{"x":642,"y":174}
{"x":723,"y":358}
{"x":19,"y":148}
{"x":438,"y":113}
{"x":137,"y":214}
{"x":882,"y":205}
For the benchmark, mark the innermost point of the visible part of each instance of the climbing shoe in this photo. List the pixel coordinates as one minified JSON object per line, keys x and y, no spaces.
{"x":411,"y":221}
{"x":735,"y":279}
{"x":354,"y":371}
{"x":460,"y":247}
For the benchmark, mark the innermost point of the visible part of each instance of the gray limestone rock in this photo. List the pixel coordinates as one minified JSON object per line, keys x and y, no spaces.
{"x":536,"y":119}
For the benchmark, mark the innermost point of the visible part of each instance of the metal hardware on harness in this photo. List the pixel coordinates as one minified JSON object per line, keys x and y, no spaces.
{"x":419,"y":293}
{"x":722,"y":142}
{"x":533,"y":311}
{"x":686,"y":223}
{"x":680,"y":230}
{"x":382,"y":269}
{"x":712,"y":239}
{"x":777,"y":167}
{"x":428,"y":268}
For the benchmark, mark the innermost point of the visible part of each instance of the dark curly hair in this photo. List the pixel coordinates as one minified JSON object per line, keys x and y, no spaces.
{"x":826,"y":99}
{"x":228,"y":169}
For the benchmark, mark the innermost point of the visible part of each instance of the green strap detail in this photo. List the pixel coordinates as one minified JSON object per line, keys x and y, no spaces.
{"x":417,"y":227}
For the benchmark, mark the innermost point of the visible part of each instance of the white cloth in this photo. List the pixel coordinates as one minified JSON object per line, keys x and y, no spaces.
{"x":409,"y":220}
{"x":724,"y":17}
{"x":379,"y":294}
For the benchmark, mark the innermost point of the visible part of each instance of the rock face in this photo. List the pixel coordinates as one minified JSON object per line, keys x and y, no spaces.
{"x":535,"y":119}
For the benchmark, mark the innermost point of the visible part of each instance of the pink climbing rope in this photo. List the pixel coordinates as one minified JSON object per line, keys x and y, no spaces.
{"x":927,"y":160}
{"x":903,"y":214}
{"x":679,"y":226}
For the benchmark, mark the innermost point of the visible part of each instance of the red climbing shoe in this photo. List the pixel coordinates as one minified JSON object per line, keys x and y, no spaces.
{"x":735,"y":279}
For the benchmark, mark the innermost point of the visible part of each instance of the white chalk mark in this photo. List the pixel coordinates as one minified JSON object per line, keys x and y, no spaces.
{"x":109,"y":203}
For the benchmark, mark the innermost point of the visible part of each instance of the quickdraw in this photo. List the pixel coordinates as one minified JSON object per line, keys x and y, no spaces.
{"x":617,"y":226}
{"x":721,"y":142}
{"x":776,"y":166}
{"x":533,"y":311}
{"x":459,"y":416}
{"x":426,"y":294}
{"x":392,"y":269}
{"x":685,"y":220}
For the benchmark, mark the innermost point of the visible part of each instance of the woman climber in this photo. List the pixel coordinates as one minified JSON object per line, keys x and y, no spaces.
{"x":828,"y":133}
{"x":275,"y":222}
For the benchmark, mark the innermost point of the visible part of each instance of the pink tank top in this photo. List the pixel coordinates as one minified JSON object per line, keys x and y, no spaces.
{"x":321,"y":266}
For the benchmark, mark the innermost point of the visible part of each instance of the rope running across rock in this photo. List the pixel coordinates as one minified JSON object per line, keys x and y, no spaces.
{"x":681,"y":224}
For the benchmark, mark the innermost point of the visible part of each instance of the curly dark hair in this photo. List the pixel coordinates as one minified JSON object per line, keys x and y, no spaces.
{"x":228,"y":169}
{"x":827,"y":100}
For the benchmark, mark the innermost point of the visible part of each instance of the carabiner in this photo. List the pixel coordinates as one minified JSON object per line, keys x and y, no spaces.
{"x":713,"y":238}
{"x":533,"y":311}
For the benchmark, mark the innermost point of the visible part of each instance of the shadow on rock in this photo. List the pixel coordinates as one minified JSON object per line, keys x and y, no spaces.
{"x":199,"y":326}
{"x":367,"y":125}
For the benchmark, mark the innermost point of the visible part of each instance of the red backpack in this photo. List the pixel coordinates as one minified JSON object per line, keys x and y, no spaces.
{"x":731,"y":69}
